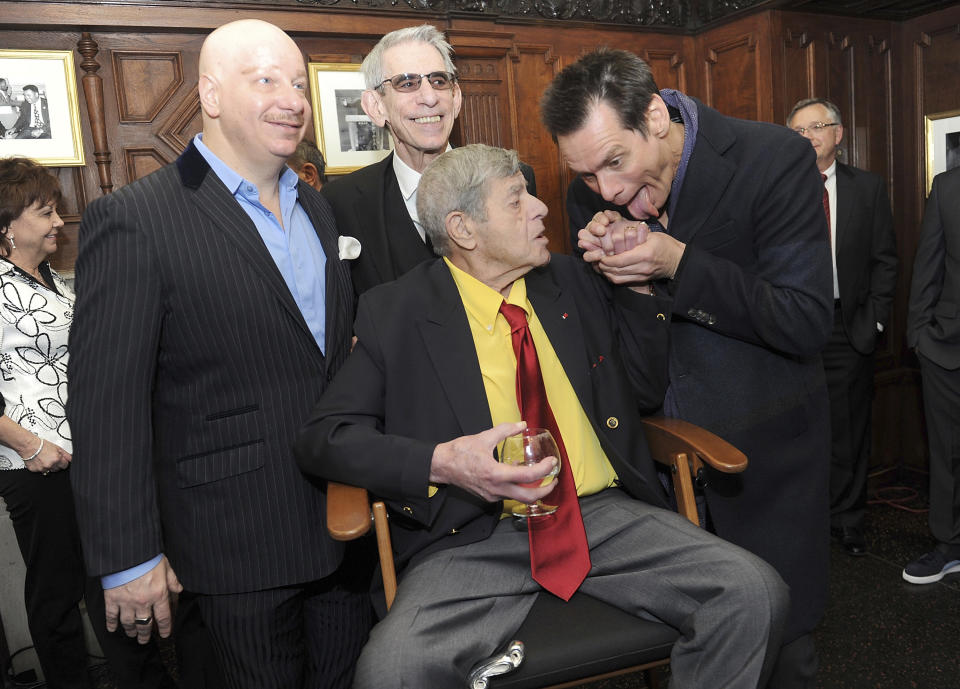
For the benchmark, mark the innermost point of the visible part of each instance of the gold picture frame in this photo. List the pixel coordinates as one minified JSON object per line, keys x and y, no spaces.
{"x":942,"y":139}
{"x":345,"y":135}
{"x":54,"y":139}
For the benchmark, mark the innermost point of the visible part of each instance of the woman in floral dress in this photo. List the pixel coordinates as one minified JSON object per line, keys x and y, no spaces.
{"x":36,"y":310}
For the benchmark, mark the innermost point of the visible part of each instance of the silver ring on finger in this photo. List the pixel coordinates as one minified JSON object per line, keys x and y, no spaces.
{"x":143,"y":621}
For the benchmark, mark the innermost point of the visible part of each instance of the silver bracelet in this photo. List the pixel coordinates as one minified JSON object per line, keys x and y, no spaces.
{"x":34,"y":455}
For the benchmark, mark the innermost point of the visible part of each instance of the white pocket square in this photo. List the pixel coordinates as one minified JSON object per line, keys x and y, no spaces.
{"x":348,"y":247}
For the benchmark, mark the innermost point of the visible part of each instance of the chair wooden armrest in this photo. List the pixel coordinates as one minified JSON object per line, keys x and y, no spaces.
{"x":348,"y":512}
{"x":349,"y":516}
{"x":685,"y":448}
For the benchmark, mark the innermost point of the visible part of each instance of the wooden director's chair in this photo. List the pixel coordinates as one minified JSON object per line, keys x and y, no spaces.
{"x":551,"y":650}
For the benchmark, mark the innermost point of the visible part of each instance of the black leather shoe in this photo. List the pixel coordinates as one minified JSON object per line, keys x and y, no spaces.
{"x":851,"y":539}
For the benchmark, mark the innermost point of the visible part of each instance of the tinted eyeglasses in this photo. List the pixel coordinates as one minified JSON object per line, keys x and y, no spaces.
{"x":410,"y":83}
{"x":815,"y":127}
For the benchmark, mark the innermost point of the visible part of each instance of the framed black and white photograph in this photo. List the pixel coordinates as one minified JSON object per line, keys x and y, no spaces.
{"x":39,"y":112}
{"x":346,"y":136}
{"x":942,"y":143}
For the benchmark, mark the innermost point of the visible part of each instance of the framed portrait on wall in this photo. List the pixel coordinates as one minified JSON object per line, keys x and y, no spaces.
{"x":346,"y":136}
{"x":39,"y":113}
{"x":942,"y":131}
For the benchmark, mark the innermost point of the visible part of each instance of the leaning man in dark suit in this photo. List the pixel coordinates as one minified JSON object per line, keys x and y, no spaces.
{"x":432,"y":387}
{"x":737,"y":237}
{"x":212,"y":311}
{"x":864,"y":251}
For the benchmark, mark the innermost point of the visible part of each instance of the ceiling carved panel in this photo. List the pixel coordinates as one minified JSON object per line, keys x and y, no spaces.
{"x":679,"y":15}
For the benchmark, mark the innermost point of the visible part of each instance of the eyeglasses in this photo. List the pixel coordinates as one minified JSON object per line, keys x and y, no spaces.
{"x":815,"y":127}
{"x":410,"y":83}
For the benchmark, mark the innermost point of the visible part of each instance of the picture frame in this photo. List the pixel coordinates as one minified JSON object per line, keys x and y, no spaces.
{"x":47,"y":78}
{"x":942,"y":136}
{"x":345,"y":135}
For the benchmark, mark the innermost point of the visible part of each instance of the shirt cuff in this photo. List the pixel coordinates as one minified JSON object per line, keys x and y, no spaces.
{"x":112,"y":581}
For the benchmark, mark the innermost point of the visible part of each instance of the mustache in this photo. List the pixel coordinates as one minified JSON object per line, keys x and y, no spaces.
{"x":297,"y":121}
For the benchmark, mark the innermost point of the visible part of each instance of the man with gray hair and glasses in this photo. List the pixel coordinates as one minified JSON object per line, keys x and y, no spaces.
{"x":864,"y":251}
{"x":449,"y":359}
{"x":412,"y":91}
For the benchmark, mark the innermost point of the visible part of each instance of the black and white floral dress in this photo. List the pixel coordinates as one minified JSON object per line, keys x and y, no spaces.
{"x":34,"y":325}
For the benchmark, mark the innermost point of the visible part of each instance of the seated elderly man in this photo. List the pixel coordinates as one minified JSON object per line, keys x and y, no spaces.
{"x":457,"y":355}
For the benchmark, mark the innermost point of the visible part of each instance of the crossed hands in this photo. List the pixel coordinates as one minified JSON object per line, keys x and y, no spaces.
{"x":626,"y":252}
{"x":468,"y":462}
{"x":145,"y":598}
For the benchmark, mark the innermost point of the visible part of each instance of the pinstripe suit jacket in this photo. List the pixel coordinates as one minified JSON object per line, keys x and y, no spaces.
{"x":191,"y":370}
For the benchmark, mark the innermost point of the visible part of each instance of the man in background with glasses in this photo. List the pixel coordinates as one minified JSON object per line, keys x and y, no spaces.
{"x":864,"y":276}
{"x":412,"y":91}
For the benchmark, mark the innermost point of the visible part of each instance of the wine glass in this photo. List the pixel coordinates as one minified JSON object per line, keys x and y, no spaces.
{"x":529,"y":447}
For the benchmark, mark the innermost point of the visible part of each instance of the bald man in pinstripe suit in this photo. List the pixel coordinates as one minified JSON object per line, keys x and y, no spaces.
{"x":212,"y":310}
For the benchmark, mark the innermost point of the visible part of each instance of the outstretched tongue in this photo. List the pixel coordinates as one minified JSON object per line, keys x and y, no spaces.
{"x":641,"y":207}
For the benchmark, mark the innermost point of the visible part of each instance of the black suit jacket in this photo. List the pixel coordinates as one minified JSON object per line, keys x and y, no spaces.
{"x":866,"y":255}
{"x":390,"y":243}
{"x":413,"y":381}
{"x":933,"y":324}
{"x":191,"y":370}
{"x":752,"y":308}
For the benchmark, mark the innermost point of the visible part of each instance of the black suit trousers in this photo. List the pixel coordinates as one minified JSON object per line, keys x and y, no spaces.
{"x":849,"y":376}
{"x":280,"y":638}
{"x":941,"y":406}
{"x":41,"y":508}
{"x":42,"y":511}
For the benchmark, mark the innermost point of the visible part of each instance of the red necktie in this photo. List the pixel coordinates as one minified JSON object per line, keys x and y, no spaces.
{"x":559,"y":555}
{"x":826,"y":203}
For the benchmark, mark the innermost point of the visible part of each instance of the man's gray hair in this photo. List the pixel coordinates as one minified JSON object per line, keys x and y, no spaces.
{"x":372,"y":66}
{"x":457,"y":181}
{"x":806,"y":102}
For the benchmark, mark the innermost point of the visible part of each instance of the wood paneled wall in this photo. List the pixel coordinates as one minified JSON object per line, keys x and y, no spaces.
{"x":884,"y":77}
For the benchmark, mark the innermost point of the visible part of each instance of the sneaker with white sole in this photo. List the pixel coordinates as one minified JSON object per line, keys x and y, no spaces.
{"x":930,"y":568}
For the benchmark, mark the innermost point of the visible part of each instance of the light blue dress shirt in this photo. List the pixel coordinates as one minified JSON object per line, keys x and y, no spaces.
{"x":295,"y":248}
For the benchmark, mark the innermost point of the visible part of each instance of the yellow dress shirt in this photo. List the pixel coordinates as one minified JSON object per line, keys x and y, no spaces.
{"x":592,"y":471}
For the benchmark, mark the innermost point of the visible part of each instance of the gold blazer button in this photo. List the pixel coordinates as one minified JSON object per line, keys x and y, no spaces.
{"x":661,"y":317}
{"x":408,"y":509}
{"x":613,"y":422}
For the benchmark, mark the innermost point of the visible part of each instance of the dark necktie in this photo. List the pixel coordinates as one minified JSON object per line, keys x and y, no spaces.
{"x":826,"y":203}
{"x":559,"y":555}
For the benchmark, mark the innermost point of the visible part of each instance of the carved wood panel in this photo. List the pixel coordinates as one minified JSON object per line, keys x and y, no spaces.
{"x":485,"y":116}
{"x":141,"y":161}
{"x":797,"y":74}
{"x":842,"y":59}
{"x":533,"y":67}
{"x":183,"y":123}
{"x":147,"y":80}
{"x":668,"y":67}
{"x":731,"y":68}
